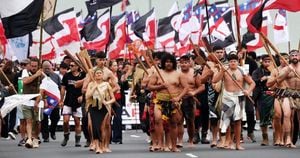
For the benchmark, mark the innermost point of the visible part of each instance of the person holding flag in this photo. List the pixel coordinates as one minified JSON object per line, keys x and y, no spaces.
{"x":49,"y":90}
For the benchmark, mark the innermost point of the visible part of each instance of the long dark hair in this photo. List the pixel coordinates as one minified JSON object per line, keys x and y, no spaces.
{"x":170,"y":57}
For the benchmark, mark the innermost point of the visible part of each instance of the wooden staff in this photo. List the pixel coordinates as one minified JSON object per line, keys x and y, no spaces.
{"x":138,"y":59}
{"x":237,"y":23}
{"x":270,"y":54}
{"x":7,"y":80}
{"x":67,"y":53}
{"x":87,"y":64}
{"x":289,"y":46}
{"x":299,"y":45}
{"x":276,"y":51}
{"x":234,"y":81}
{"x":199,"y":57}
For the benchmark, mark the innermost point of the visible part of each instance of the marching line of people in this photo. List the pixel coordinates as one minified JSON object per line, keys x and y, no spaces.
{"x":211,"y":96}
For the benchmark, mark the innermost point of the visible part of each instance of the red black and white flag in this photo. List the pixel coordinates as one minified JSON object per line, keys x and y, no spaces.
{"x":20,"y":17}
{"x":218,"y":26}
{"x":255,"y":19}
{"x":96,"y":33}
{"x":48,"y":49}
{"x":166,"y":33}
{"x":63,"y":27}
{"x":145,"y":28}
{"x":94,"y":5}
{"x":117,"y":37}
{"x":3,"y":40}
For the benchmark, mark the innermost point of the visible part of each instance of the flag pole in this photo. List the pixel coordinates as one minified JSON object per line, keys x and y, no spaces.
{"x":41,"y":36}
{"x":299,"y":45}
{"x":207,"y":19}
{"x":237,"y":24}
{"x":289,"y":46}
{"x":110,"y":13}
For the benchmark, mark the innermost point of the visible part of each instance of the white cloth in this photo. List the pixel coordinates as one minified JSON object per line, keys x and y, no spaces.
{"x":232,"y":110}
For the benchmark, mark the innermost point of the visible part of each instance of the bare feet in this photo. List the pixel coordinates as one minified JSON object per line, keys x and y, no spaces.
{"x":92,"y":147}
{"x":213,"y":144}
{"x":179,"y":145}
{"x":239,"y":148}
{"x":107,"y":150}
{"x":99,"y":151}
{"x":167,"y":149}
{"x":191,"y":145}
{"x":290,"y":145}
{"x":175,"y":150}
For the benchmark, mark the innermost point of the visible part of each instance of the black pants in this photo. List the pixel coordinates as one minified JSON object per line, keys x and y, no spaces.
{"x":250,"y":113}
{"x":203,"y":119}
{"x":117,"y":124}
{"x":9,"y":122}
{"x":45,"y":129}
{"x":84,"y":124}
{"x":296,"y":128}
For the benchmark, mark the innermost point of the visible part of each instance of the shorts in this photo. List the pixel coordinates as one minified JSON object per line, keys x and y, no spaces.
{"x":20,"y":112}
{"x":29,"y":113}
{"x":67,"y":110}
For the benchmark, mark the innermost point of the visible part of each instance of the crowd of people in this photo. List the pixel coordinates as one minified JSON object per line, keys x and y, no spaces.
{"x":210,"y":97}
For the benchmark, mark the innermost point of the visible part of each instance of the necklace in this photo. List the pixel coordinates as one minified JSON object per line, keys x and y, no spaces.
{"x":233,"y":75}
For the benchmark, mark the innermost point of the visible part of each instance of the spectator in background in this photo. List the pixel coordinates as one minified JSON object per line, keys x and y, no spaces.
{"x":66,"y":60}
{"x":63,"y":69}
{"x":10,"y":119}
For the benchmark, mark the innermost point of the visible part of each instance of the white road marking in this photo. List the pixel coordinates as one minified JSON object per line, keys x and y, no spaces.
{"x":135,"y":136}
{"x":191,"y":155}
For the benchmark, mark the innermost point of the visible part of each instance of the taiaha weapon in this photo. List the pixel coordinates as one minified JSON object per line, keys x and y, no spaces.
{"x":67,"y":53}
{"x":269,"y":53}
{"x":10,"y":84}
{"x":199,"y":59}
{"x":130,"y":47}
{"x":87,"y":64}
{"x":276,"y":51}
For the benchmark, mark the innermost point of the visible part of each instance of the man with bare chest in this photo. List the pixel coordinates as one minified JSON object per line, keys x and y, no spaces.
{"x":188,"y":101}
{"x":291,"y":100}
{"x":278,"y":108}
{"x":232,"y":94}
{"x":170,"y":88}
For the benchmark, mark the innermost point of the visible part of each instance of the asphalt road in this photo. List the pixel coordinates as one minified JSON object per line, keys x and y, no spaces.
{"x":135,"y":146}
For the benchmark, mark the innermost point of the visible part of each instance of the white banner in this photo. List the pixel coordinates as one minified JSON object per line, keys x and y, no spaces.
{"x":13,"y":101}
{"x":130,"y":112}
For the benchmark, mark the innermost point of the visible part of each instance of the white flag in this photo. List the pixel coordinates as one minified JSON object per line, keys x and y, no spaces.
{"x":173,"y":9}
{"x":281,"y":33}
{"x":18,"y":48}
